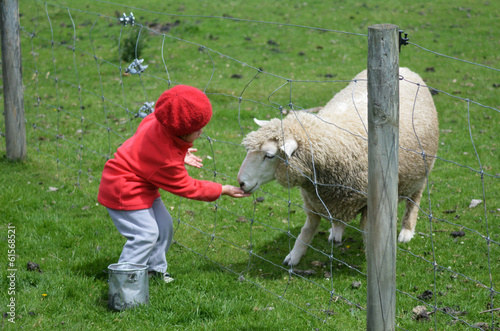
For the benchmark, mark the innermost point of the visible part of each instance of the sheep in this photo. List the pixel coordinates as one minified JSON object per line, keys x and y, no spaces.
{"x":326,"y":155}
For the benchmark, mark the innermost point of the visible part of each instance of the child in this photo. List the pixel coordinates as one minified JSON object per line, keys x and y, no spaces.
{"x":154,"y":158}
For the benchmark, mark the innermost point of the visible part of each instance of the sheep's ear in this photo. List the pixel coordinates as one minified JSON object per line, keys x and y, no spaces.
{"x":260,"y":122}
{"x":289,"y":147}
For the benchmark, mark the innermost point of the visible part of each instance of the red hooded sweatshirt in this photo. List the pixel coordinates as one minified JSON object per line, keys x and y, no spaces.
{"x":151,"y":159}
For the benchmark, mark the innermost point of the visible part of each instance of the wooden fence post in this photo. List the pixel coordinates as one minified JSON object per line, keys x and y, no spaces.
{"x":15,"y":126}
{"x":383,"y":144}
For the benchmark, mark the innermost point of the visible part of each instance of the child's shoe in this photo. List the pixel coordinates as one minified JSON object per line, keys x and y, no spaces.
{"x":165,"y":276}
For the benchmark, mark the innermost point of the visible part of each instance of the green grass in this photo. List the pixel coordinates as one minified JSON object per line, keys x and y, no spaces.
{"x":50,"y":198}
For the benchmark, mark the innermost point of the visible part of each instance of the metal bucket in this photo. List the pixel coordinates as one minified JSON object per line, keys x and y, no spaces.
{"x":128,"y":285}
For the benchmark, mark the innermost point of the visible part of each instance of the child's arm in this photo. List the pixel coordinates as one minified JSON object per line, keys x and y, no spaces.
{"x":234,"y":191}
{"x":230,"y":190}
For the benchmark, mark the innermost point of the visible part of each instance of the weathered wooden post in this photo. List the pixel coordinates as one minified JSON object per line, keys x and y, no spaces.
{"x":15,"y":127}
{"x":383,"y":142}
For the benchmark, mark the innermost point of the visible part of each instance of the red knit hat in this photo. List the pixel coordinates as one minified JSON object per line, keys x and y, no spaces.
{"x":183,"y":110}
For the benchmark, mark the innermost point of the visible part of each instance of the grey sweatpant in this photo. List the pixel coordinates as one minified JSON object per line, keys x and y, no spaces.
{"x":149,"y":234}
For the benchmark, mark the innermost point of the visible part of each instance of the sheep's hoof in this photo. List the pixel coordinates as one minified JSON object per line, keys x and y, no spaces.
{"x":289,"y":261}
{"x":405,"y":235}
{"x":336,"y":235}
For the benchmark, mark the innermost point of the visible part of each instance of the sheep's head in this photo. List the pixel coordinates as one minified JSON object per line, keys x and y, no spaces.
{"x":264,"y":153}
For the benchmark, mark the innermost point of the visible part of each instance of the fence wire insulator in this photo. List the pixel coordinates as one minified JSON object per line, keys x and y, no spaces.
{"x":145,"y":110}
{"x":127,"y":19}
{"x":403,"y":41}
{"x":136,"y":67}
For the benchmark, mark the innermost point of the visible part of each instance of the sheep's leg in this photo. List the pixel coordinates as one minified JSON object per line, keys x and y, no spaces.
{"x":364,"y":218}
{"x":363,"y":222}
{"x":304,"y":239}
{"x":336,"y":232}
{"x":410,"y":218}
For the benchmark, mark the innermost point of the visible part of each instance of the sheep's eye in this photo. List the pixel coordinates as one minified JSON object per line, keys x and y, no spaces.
{"x":269,"y":156}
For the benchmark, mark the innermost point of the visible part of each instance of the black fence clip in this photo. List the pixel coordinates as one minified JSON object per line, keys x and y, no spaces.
{"x":403,"y":41}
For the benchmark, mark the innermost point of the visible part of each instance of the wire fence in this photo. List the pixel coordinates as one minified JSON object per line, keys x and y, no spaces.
{"x":86,"y":90}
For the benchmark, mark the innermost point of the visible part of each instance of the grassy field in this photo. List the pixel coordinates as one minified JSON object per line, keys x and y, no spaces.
{"x":81,"y":105}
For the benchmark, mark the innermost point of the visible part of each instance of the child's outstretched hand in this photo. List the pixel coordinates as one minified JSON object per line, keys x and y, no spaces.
{"x":191,"y":159}
{"x":234,"y":191}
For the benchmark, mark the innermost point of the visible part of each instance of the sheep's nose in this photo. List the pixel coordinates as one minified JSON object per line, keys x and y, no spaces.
{"x":242,"y":184}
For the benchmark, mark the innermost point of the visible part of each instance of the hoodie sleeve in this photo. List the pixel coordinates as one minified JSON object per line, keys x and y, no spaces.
{"x":175,"y":179}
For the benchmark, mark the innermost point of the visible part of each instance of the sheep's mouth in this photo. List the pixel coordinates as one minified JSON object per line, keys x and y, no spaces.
{"x":253,"y":189}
